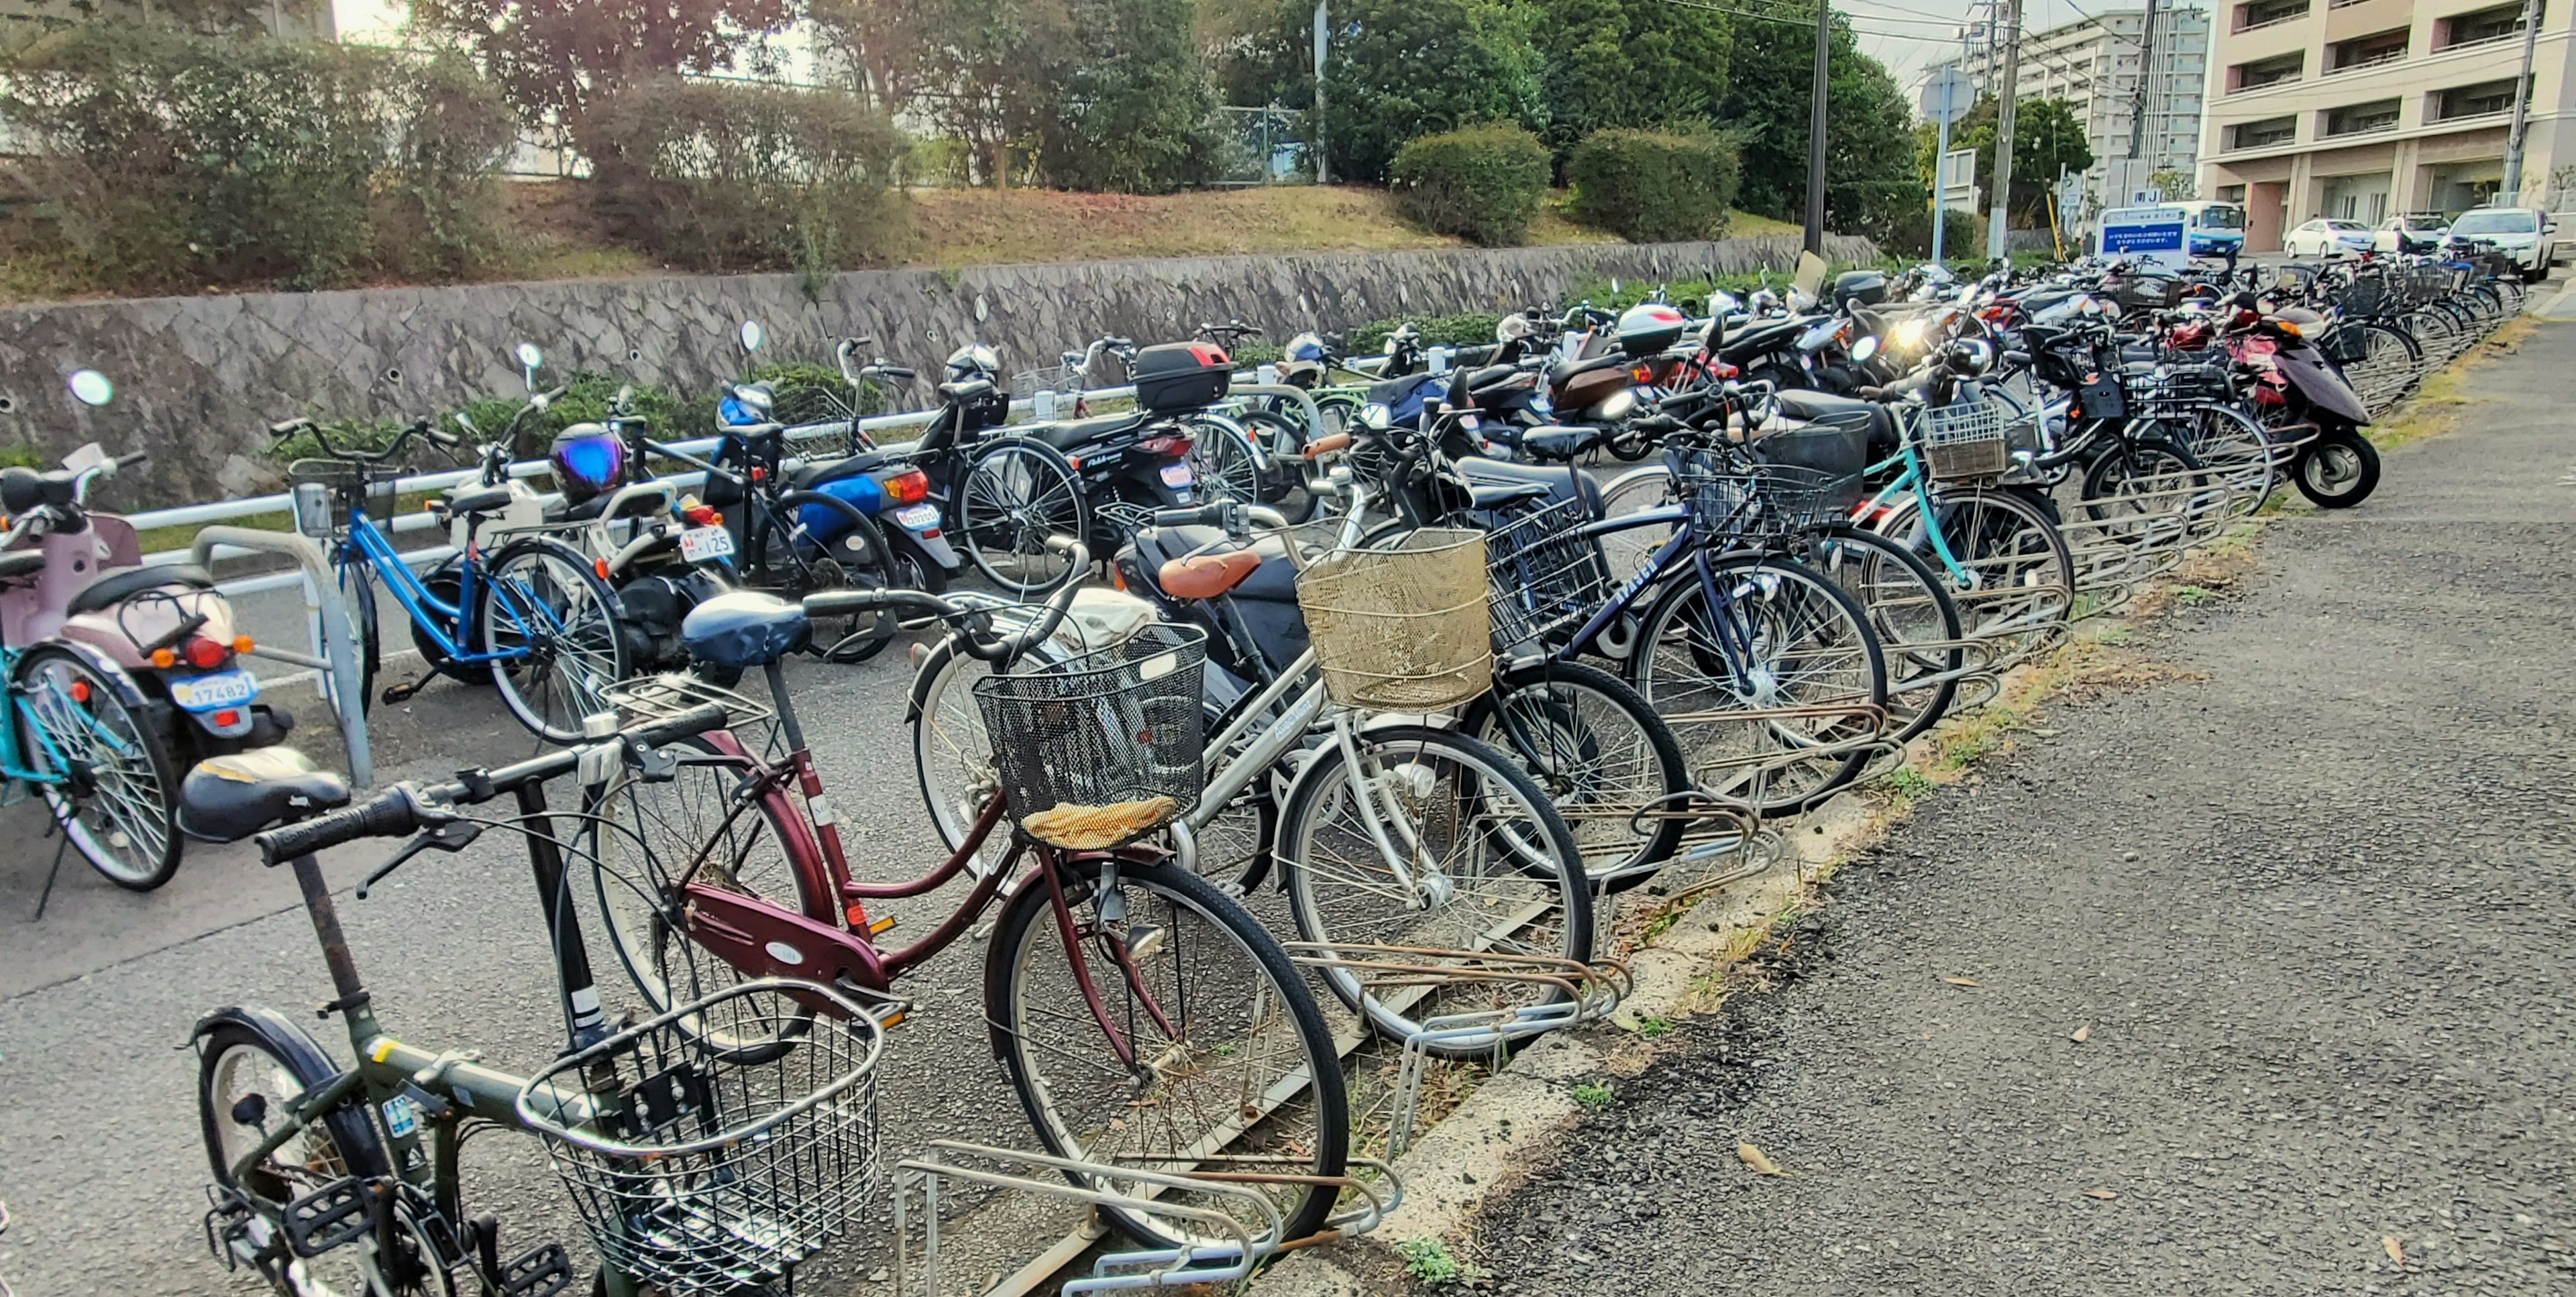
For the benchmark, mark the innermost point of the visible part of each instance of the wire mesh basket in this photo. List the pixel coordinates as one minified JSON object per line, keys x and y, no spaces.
{"x":2366,"y":295}
{"x":1542,"y":573}
{"x":1406,"y":628}
{"x":1105,"y":747}
{"x":1964,"y":440}
{"x":738,"y":1136}
{"x":1755,"y":503}
{"x":2149,"y":292}
{"x":2180,"y":385}
{"x":341,"y":481}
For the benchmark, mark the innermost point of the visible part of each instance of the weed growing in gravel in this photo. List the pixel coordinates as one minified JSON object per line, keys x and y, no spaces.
{"x":1651,"y":1028}
{"x":1905,"y":787}
{"x":1428,"y":1260}
{"x":2192,"y":596}
{"x":1593,"y":1095}
{"x":2116,"y":636}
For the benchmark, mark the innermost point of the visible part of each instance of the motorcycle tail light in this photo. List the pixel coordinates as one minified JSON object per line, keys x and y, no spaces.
{"x":228,"y":716}
{"x":1174,"y":446}
{"x":242,"y":644}
{"x":206,"y":654}
{"x":908,"y":486}
{"x":700,"y":515}
{"x":1642,"y":374}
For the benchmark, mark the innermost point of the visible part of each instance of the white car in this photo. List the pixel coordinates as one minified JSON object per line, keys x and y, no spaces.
{"x":2328,"y":237}
{"x":2521,"y":233}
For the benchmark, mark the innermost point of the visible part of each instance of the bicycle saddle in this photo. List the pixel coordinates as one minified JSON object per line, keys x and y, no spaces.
{"x":462,"y":499}
{"x":116,"y":587}
{"x":1207,"y":575}
{"x":229,"y":798}
{"x":744,"y":629}
{"x":1270,"y":577}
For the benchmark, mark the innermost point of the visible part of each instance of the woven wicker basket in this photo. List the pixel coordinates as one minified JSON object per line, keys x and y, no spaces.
{"x":1402,"y":629}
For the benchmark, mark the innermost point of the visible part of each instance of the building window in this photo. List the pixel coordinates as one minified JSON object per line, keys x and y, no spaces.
{"x":2362,"y":119}
{"x":2267,"y":72}
{"x":2479,"y":26}
{"x":2263,"y":134}
{"x":2231,"y":193}
{"x":2264,"y":13}
{"x":2366,"y":51}
{"x":2484,"y":99}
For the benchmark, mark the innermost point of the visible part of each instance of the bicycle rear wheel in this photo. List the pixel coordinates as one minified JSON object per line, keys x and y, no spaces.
{"x":1018,"y":495}
{"x":117,"y":786}
{"x":1602,"y":754}
{"x":546,"y":607}
{"x":1230,"y":1053}
{"x":1490,"y":867}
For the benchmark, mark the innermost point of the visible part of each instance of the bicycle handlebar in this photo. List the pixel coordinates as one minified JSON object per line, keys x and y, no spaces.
{"x":977,"y":644}
{"x":405,"y":808}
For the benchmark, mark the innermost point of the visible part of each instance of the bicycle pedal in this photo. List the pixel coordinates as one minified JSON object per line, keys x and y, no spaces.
{"x":236,"y":1234}
{"x":330,"y":1216}
{"x":402,"y":693}
{"x":542,"y":1271}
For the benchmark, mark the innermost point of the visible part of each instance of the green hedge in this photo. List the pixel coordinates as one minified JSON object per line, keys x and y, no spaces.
{"x":1651,"y":187}
{"x":720,"y":176}
{"x":1483,"y":184}
{"x":157,"y":158}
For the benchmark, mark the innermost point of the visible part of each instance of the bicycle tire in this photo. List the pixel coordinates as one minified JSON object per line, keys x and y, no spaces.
{"x":664,"y":824}
{"x":594,"y":639}
{"x":1635,"y":491}
{"x":1456,"y":915}
{"x":1016,"y":512}
{"x":358,"y":596}
{"x":1909,"y":606}
{"x":1677,"y":665}
{"x":1223,"y":463}
{"x":2002,"y":541}
{"x":856,"y":557}
{"x":133,"y":794}
{"x":1551,"y":717}
{"x":1103,"y":1119}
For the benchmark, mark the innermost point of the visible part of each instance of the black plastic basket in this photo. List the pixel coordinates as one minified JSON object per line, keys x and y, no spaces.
{"x":1756,"y":504}
{"x":1543,"y":574}
{"x":343,"y":482}
{"x":1111,"y":737}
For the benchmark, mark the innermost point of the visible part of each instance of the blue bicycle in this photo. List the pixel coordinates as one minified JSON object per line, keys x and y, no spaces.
{"x":533,"y":618}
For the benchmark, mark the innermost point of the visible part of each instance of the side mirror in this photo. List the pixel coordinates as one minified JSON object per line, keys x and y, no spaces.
{"x":529,"y":359}
{"x":752,"y":335}
{"x":90,"y":387}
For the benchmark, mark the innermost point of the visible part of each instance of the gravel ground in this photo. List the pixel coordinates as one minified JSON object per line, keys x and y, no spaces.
{"x":2306,"y":905}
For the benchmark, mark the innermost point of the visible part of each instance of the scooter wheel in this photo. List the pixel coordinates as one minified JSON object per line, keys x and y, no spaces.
{"x":2338,"y":470}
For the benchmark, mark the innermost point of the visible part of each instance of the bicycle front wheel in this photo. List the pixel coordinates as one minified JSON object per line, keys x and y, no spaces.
{"x":552,"y":624}
{"x":1602,"y":754}
{"x":2009,"y":567}
{"x":1020,"y":494}
{"x":1151,"y":1024}
{"x":1776,"y":688}
{"x":1482,"y":865}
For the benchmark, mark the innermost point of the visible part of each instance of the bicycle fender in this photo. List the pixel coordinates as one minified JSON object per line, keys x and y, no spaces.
{"x":105,"y":668}
{"x":313,"y":1067}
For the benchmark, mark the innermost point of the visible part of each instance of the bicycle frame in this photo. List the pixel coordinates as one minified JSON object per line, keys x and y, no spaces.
{"x":13,"y":756}
{"x":368,"y":546}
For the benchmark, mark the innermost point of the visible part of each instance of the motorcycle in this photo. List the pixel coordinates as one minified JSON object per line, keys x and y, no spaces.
{"x":2338,"y":468}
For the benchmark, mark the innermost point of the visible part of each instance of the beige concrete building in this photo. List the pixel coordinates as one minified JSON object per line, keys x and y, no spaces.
{"x":2093,"y":64}
{"x":2363,"y":108}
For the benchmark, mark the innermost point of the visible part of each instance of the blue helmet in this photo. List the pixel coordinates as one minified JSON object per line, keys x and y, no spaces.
{"x":588,"y":460}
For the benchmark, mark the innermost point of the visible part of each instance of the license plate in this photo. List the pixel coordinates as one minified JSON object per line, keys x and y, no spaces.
{"x":918,"y":517}
{"x":1177,"y":475}
{"x":208,"y":692}
{"x":699,"y":544}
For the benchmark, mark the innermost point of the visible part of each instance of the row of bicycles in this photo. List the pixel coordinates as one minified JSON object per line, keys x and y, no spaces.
{"x":1383,"y":767}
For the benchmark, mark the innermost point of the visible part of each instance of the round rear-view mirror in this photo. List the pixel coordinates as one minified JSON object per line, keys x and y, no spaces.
{"x":752,"y":335}
{"x":90,"y":387}
{"x":529,"y":356}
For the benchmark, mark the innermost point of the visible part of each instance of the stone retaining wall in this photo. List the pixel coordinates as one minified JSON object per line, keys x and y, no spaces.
{"x":199,"y":377}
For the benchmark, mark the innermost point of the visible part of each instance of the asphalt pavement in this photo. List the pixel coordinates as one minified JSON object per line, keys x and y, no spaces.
{"x":2251,"y":981}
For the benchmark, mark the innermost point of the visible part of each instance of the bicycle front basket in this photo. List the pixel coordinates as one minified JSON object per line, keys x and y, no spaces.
{"x":1964,"y":440}
{"x":716,"y":1145}
{"x":1544,"y":573}
{"x":1103,"y":748}
{"x":341,"y":480}
{"x":1404,"y":629}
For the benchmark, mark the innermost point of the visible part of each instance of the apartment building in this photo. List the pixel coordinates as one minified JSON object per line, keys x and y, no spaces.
{"x":2096,"y":65}
{"x":2362,"y":108}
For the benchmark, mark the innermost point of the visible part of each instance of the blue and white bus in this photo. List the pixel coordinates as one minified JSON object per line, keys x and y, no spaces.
{"x":2214,"y":228}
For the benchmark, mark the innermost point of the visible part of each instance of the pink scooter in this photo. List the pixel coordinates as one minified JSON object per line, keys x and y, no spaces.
{"x":121,"y":676}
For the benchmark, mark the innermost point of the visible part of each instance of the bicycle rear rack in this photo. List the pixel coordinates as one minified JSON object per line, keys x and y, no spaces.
{"x":1237,"y":1178}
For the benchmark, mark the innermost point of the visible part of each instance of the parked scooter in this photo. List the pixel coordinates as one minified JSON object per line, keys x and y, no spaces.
{"x":139,"y":662}
{"x":2338,"y":468}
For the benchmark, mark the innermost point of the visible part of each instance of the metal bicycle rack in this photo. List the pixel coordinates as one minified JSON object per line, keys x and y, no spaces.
{"x":326,"y":616}
{"x":1584,"y":992}
{"x":1235,"y":1178}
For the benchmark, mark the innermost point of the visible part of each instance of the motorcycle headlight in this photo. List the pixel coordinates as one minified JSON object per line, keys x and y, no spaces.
{"x":1864,"y":349}
{"x":1618,"y":404}
{"x":1376,"y":416}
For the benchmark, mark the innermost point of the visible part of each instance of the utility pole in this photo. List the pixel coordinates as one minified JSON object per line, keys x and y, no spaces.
{"x":2006,"y":97}
{"x":2146,"y":64}
{"x":1816,"y":131}
{"x":1323,"y":169}
{"x":2511,"y":192}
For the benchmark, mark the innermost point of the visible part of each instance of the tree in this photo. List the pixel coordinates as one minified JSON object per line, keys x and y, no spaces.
{"x":2175,"y":184}
{"x":2046,"y":136}
{"x":1133,"y":106}
{"x":1769,"y":80}
{"x":1636,"y":64}
{"x":555,"y":58}
{"x":1398,"y":69}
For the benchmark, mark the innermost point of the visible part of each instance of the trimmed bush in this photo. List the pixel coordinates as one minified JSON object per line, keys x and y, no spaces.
{"x":1483,"y":183}
{"x":161,"y":158}
{"x":1650,"y":187}
{"x":722,"y":176}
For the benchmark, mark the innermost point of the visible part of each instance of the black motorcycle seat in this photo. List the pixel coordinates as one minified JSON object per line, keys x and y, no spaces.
{"x":1565,"y":369}
{"x":117,"y":587}
{"x":1275,"y":581}
{"x":744,"y":629}
{"x":1491,"y":376}
{"x":1844,"y":411}
{"x":1560,"y":442}
{"x":462,"y":499}
{"x":228,"y":798}
{"x":19,"y":564}
{"x":1080,"y":432}
{"x":817,"y":472}
{"x":1494,"y":495}
{"x":1560,"y":480}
